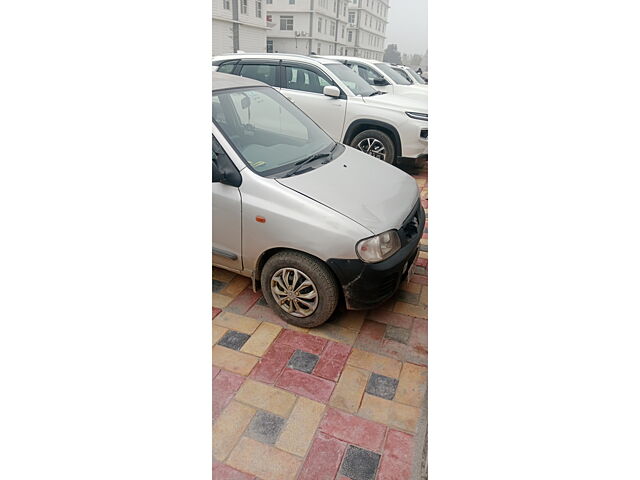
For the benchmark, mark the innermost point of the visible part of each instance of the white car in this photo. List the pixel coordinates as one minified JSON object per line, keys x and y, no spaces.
{"x":382,"y":76}
{"x":388,"y":127}
{"x":410,"y":74}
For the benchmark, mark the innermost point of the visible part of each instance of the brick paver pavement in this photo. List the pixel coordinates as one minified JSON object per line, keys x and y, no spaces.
{"x":340,"y":401}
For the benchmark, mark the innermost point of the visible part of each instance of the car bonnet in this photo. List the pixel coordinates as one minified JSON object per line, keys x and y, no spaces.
{"x":369,"y":191}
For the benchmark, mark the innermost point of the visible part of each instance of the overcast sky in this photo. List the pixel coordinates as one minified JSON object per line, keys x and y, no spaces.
{"x":408,"y":25}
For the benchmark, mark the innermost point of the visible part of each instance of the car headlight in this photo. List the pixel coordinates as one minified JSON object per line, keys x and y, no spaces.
{"x":418,"y":116}
{"x":379,"y":247}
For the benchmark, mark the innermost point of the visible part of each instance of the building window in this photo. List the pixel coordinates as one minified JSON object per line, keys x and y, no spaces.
{"x":286,"y":23}
{"x":334,"y":6}
{"x":269,"y":18}
{"x":319,"y":25}
{"x":333,"y":28}
{"x":226,"y":4}
{"x":319,"y":48}
{"x":344,"y":9}
{"x":325,"y":25}
{"x":259,"y":8}
{"x":352,"y":17}
{"x":292,"y":2}
{"x":341,"y":50}
{"x":269,"y":2}
{"x":243,"y":6}
{"x":269,"y":46}
{"x":350,"y":36}
{"x":343,"y":31}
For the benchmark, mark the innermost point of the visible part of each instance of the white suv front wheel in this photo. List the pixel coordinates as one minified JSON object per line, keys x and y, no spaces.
{"x":375,"y":143}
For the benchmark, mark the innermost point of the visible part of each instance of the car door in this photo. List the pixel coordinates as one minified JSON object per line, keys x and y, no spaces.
{"x":227,"y":221}
{"x":303,"y":85}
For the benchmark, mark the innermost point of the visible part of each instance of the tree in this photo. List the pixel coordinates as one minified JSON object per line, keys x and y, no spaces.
{"x":391,"y":54}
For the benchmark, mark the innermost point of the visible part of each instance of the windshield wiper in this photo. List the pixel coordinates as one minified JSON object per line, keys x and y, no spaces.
{"x":309,"y":159}
{"x":377,"y":92}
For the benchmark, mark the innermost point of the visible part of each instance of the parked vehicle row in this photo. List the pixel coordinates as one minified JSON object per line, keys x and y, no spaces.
{"x":410,"y":74}
{"x":315,"y":222}
{"x":384,"y":77}
{"x":389,"y":127}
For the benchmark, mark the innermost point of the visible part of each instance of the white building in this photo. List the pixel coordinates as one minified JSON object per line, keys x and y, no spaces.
{"x":307,"y":26}
{"x":367,"y":28}
{"x":239,"y":25}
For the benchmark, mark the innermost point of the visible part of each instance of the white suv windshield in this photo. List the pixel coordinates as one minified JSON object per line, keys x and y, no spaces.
{"x":351,"y":79}
{"x":395,"y":76}
{"x":267,"y":131}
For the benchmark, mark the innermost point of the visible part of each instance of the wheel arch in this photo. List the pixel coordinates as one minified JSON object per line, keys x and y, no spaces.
{"x":267,"y":254}
{"x":361,"y":125}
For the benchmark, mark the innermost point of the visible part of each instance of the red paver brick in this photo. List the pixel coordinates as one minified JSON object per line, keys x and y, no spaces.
{"x":244,"y":301}
{"x":272,"y":363}
{"x":225,"y":472}
{"x":225,"y":385}
{"x":332,"y":361}
{"x":392,"y":470}
{"x":215,"y":312}
{"x":421,"y":262}
{"x":216,"y":371}
{"x":355,"y":430}
{"x":309,"y":386}
{"x":370,"y":335}
{"x":323,"y":459}
{"x":302,"y":341}
{"x":390,"y":318}
{"x":399,"y":446}
{"x":419,"y":333}
{"x":421,"y":279}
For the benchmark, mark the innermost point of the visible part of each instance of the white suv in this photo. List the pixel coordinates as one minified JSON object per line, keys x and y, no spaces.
{"x":382,"y":76}
{"x":388,"y":127}
{"x":410,"y":74}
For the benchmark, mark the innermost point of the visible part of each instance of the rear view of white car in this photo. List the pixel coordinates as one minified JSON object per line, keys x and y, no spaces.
{"x":385,"y":126}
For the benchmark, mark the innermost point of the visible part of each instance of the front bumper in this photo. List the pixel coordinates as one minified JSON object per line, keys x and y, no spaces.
{"x":367,"y":285}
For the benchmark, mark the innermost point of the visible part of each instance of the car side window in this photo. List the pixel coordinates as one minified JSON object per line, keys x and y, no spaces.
{"x":226,"y":67}
{"x":262,"y":73}
{"x":305,"y":80}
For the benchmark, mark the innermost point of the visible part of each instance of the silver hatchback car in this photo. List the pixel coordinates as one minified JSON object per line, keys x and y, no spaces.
{"x":314,"y":221}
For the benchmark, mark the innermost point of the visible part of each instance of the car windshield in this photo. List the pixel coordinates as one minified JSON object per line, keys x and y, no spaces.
{"x":403,"y":73}
{"x":351,"y":79}
{"x":395,"y":76}
{"x":417,"y":77}
{"x":269,"y":133}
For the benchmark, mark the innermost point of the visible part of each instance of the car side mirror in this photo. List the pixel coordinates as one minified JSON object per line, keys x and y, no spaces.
{"x":331,"y":91}
{"x":381,"y":82}
{"x":224,"y":172}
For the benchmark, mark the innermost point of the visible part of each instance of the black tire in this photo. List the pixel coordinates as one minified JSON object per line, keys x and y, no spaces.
{"x":325,"y":284}
{"x":389,"y":149}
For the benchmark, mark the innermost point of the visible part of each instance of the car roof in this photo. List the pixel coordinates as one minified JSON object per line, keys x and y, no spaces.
{"x":222,"y":81}
{"x":276,"y":56}
{"x":355,"y":59}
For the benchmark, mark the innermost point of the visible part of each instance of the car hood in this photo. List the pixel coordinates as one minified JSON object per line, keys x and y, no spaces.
{"x":416,"y":100}
{"x":369,"y":191}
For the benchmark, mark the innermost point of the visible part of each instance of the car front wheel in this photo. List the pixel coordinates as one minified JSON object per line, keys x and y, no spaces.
{"x":375,"y":143}
{"x":301,"y":289}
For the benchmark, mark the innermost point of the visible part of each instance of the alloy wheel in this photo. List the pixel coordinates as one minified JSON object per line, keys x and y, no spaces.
{"x":294,"y":292}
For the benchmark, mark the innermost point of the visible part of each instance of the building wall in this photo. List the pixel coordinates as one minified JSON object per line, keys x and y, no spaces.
{"x":251,"y":26}
{"x":369,"y":28}
{"x":320,"y":22}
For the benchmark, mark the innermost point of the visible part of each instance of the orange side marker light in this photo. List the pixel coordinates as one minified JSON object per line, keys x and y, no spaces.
{"x":260,"y":219}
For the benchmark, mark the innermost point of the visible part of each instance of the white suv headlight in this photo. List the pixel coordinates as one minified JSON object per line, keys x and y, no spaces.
{"x":379,"y":247}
